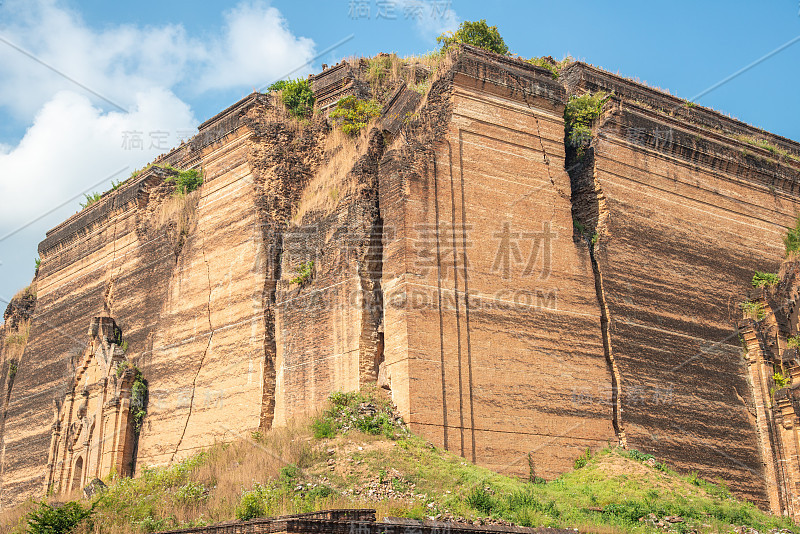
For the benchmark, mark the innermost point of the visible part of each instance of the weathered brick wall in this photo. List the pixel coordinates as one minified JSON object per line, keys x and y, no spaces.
{"x":687,"y":214}
{"x":189,"y":307}
{"x":447,"y":266}
{"x":491,"y":319}
{"x":204,"y":367}
{"x":74,"y":285}
{"x":330,"y":335}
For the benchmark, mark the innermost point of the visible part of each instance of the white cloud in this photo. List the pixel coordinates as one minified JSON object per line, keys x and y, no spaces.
{"x":255,"y":49}
{"x":252,"y":47}
{"x":74,"y":139}
{"x":432,"y":17}
{"x":115,"y":62}
{"x":72,"y":145}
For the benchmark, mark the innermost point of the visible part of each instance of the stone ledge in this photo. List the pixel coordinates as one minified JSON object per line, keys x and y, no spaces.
{"x":580,"y":77}
{"x":670,"y":136}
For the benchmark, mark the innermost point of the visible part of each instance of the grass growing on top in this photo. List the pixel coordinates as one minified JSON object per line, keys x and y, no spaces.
{"x":90,"y":199}
{"x":775,"y":151}
{"x":476,"y":33}
{"x":185,"y":181}
{"x":554,"y":67}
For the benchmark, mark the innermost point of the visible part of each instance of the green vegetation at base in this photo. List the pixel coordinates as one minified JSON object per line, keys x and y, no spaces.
{"x":353,"y":114}
{"x":46,"y":519}
{"x":476,"y":33}
{"x":343,"y":458}
{"x":296,"y":95}
{"x":358,"y":412}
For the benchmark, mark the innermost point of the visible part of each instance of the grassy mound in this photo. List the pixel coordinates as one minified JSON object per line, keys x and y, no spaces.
{"x":358,"y":453}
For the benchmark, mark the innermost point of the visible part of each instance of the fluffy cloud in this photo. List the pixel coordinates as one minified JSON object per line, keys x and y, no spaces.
{"x":253,"y":46}
{"x":256,"y":48}
{"x":85,"y":98}
{"x":129,"y":76}
{"x":432,"y":17}
{"x":73,"y":146}
{"x":116,"y":62}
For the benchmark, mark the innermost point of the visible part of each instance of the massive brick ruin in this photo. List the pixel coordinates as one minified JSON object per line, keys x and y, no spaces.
{"x":520,"y":302}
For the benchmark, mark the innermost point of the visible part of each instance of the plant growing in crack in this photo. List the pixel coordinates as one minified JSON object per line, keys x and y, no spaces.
{"x":579,"y":115}
{"x":305,"y":271}
{"x":185,"y":181}
{"x":753,"y":310}
{"x":781,"y":380}
{"x":138,"y":401}
{"x":765,"y":279}
{"x":352,"y":114}
{"x":590,"y":238}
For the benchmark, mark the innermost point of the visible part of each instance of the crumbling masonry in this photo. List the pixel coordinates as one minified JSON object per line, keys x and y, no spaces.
{"x":516,"y":298}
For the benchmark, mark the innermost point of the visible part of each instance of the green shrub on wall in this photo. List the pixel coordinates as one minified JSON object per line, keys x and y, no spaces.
{"x":579,"y":114}
{"x":186,"y":181}
{"x":296,"y":95}
{"x":765,"y":279}
{"x":353,"y":113}
{"x":476,"y":33}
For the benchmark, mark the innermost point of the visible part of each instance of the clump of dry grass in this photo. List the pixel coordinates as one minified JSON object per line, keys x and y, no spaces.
{"x":20,"y":338}
{"x":180,"y":210}
{"x":13,"y":519}
{"x":333,"y":181}
{"x":207,"y":487}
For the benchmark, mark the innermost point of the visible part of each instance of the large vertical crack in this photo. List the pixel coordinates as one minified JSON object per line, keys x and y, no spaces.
{"x":589,"y":213}
{"x":370,"y":271}
{"x":268,"y":296}
{"x":205,"y":352}
{"x":605,"y":323}
{"x":370,"y":266}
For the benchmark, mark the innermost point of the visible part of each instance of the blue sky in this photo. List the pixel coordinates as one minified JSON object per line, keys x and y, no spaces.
{"x":161,"y":68}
